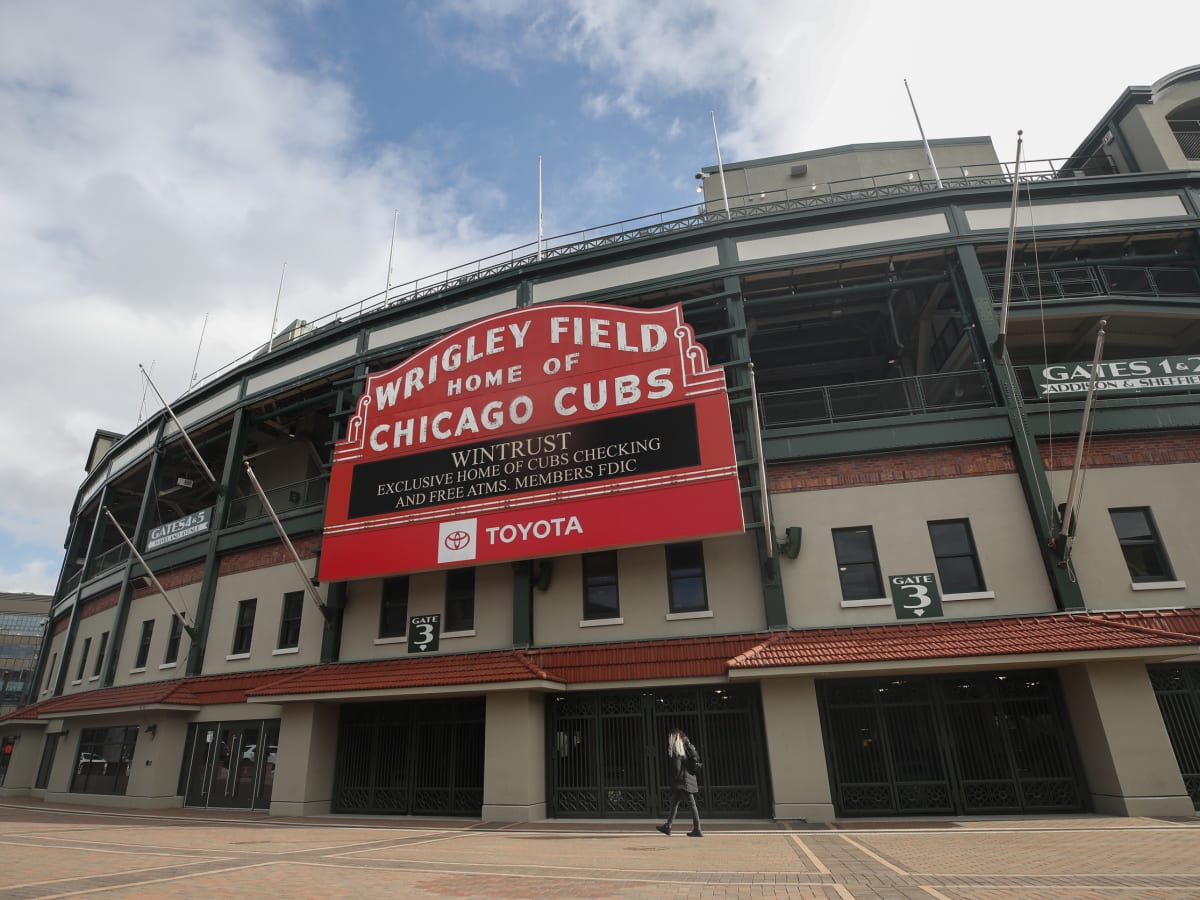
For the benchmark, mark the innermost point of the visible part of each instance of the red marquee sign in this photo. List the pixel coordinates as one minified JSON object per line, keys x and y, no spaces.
{"x":553,"y":429}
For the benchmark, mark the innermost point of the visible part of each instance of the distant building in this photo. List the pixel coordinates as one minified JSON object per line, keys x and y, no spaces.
{"x":23,"y":620}
{"x":781,"y":471}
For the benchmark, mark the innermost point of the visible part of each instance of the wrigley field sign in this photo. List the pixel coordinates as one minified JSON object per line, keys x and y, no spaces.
{"x":1156,"y":373}
{"x":560,"y":428}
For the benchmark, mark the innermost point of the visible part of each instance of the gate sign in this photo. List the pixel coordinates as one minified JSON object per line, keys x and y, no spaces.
{"x":423,"y":633}
{"x":180,"y":529}
{"x":916,"y":596}
{"x":1160,"y":374}
{"x":552,"y":429}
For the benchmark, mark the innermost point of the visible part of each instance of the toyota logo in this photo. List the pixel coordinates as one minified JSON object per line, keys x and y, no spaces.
{"x":456,"y":540}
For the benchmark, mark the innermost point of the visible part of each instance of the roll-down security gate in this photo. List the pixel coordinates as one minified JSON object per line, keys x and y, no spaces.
{"x":994,"y":742}
{"x":607,"y":752}
{"x":414,"y":758}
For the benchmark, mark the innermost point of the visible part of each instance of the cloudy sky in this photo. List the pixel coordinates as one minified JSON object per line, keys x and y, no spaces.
{"x":164,"y":161}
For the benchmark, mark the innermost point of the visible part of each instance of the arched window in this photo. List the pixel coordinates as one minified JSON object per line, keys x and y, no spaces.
{"x":1185,"y":124}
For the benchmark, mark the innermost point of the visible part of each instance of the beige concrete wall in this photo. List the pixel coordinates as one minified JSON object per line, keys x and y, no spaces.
{"x":426,"y":596}
{"x":151,"y":606}
{"x":308,"y":735}
{"x":268,"y":586}
{"x":1146,"y":129}
{"x":514,"y":766}
{"x":898,"y":513}
{"x":1127,"y":757}
{"x":1172,"y":493}
{"x":26,"y":755}
{"x":734,"y":597}
{"x":795,"y":750}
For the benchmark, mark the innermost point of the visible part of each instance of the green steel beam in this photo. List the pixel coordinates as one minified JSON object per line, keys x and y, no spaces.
{"x":977,"y":309}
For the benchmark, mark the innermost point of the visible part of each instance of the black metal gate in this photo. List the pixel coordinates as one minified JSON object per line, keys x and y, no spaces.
{"x":607,"y":752}
{"x":1177,"y":688}
{"x":995,"y":742}
{"x":412,"y":758}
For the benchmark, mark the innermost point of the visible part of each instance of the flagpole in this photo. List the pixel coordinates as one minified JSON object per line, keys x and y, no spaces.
{"x":1089,"y":404}
{"x":262,"y":496}
{"x":196,"y":361}
{"x":928,"y":152}
{"x":275,"y":316}
{"x":150,"y":574}
{"x":720,"y":165}
{"x":182,"y":431}
{"x":1008,"y":257}
{"x":539,"y":255}
{"x":391,"y":249}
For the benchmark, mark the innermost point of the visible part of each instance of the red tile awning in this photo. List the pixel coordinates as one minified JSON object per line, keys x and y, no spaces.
{"x":718,"y":657}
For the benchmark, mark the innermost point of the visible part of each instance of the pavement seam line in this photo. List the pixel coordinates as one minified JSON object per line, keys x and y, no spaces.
{"x":821,"y":868}
{"x":875,"y":856}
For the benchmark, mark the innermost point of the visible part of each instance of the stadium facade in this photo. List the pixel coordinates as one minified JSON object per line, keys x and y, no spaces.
{"x":780,"y":469}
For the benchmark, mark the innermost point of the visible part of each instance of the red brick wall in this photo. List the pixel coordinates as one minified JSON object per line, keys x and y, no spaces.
{"x":267,"y":555}
{"x":986,"y":459}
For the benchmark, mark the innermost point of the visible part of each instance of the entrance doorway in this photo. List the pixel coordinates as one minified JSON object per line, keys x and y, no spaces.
{"x":1177,"y":688}
{"x":411,"y":758}
{"x":994,"y":742}
{"x":230,"y":765}
{"x":607,"y":752}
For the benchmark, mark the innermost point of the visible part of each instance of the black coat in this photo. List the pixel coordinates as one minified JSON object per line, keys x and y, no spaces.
{"x":682,"y":776}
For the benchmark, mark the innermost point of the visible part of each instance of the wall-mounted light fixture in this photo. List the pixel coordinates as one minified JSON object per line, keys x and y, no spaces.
{"x":152,"y":729}
{"x":790,"y":545}
{"x":543,"y":571}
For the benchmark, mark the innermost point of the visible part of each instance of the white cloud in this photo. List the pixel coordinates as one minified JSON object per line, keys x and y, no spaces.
{"x":161,"y":162}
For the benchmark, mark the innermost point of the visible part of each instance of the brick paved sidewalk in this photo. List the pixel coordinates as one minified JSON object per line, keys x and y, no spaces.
{"x":67,"y":851}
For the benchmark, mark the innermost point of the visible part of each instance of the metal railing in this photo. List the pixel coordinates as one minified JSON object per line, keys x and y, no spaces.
{"x":297,"y":495}
{"x":670,"y":221}
{"x":1030,"y":286}
{"x":906,"y":396}
{"x":109,"y":558}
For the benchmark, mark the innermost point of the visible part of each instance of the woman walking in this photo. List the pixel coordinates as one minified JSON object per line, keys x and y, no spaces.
{"x":683,"y":762}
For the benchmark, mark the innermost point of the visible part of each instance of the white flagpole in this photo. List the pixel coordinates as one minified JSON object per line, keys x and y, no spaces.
{"x":150,"y":574}
{"x":1088,"y":407}
{"x":196,"y":361}
{"x":182,"y":431}
{"x":312,"y":591}
{"x":1008,"y":258}
{"x":391,"y":249}
{"x":539,"y":256}
{"x":720,"y":165}
{"x":928,"y":152}
{"x":275,"y":317}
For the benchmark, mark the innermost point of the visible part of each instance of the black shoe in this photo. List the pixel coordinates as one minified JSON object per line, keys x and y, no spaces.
{"x":696,"y":832}
{"x":665,"y":829}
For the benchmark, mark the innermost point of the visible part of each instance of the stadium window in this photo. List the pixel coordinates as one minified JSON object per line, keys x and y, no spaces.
{"x":685,"y":577}
{"x":50,"y":672}
{"x":858,"y":563}
{"x":289,"y":621}
{"x":172,"y":654}
{"x":393,"y":608}
{"x":957,"y":561}
{"x":460,"y":600}
{"x":87,"y":645}
{"x":1145,"y":555}
{"x":143,"y":651}
{"x":243,"y":630}
{"x":100,"y":655}
{"x":601,"y":599}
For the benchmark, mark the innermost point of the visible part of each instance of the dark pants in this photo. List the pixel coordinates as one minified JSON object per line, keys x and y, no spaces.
{"x":677,"y":796}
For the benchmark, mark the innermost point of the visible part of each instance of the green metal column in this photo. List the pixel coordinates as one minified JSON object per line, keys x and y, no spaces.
{"x":738,"y":380}
{"x":60,"y":680}
{"x":522,"y":623}
{"x":208,"y":587}
{"x":1030,"y":469}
